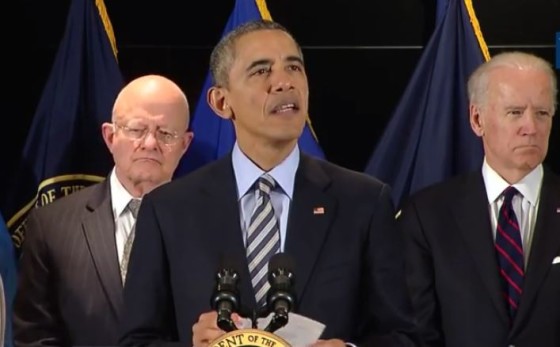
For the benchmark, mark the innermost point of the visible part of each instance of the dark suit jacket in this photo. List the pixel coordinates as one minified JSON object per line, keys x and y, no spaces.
{"x":452,"y":268}
{"x":70,"y":290}
{"x":348,"y":269}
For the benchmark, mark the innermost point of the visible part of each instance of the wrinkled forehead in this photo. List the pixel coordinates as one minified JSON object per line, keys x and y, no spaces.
{"x":529,"y":81}
{"x":162,"y":114}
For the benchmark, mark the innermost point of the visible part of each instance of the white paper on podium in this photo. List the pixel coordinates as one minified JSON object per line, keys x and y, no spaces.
{"x":299,"y":332}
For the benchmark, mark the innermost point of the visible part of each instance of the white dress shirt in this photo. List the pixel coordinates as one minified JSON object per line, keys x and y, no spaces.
{"x":124,"y":220}
{"x":525,"y":204}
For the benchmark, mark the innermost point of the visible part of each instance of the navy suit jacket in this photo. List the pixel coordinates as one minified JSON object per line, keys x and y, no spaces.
{"x":349,"y":272}
{"x":452,"y":268}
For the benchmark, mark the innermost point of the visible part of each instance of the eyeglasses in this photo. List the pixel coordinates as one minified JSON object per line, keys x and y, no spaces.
{"x":166,"y":137}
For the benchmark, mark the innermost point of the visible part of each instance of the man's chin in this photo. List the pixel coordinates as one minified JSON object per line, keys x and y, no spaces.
{"x":145,"y":175}
{"x":287,"y":136}
{"x":529,"y":163}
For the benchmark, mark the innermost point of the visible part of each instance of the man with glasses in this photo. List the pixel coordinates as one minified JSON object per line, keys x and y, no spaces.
{"x":75,"y":257}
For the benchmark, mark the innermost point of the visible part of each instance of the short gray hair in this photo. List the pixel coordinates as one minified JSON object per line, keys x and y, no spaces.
{"x":223,"y":54}
{"x":478,"y":81}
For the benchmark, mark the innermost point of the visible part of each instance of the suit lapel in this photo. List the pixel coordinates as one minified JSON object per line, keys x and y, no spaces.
{"x":545,"y":245}
{"x":223,"y":233}
{"x":473,"y":220}
{"x":311,"y":213}
{"x":99,"y":231}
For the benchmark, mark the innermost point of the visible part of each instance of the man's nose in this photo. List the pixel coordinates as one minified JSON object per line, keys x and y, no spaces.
{"x":149,"y":140}
{"x":529,"y":125}
{"x":281,"y":81}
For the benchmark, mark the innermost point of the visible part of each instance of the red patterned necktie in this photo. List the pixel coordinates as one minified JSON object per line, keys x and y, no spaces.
{"x":509,"y":249}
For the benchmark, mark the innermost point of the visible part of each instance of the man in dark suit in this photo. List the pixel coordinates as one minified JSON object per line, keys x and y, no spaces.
{"x":73,"y":265}
{"x":483,"y":249}
{"x":338,"y":225}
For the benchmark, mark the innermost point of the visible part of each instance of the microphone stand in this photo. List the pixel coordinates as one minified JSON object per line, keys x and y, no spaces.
{"x":257,"y":314}
{"x":224,"y":321}
{"x":279,"y":320}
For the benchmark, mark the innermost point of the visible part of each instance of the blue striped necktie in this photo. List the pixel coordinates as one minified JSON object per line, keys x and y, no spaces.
{"x":509,"y":249}
{"x":263,"y":238}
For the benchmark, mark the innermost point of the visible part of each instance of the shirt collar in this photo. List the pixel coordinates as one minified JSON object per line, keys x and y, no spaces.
{"x":246,"y":172}
{"x":120,"y":197}
{"x":529,"y":186}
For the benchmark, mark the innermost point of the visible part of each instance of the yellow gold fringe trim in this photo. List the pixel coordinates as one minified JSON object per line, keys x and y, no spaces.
{"x":263,"y":9}
{"x":107,"y":24}
{"x":477,"y":31}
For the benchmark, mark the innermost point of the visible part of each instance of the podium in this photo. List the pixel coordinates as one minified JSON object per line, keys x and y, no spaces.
{"x":249,"y":338}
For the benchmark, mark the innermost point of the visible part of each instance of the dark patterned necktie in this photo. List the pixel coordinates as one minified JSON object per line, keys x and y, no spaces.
{"x":263,"y":238}
{"x":509,"y":249}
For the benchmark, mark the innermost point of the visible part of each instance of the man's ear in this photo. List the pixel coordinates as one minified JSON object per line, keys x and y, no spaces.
{"x":475,"y":118}
{"x":217,"y":99}
{"x":108,"y":132}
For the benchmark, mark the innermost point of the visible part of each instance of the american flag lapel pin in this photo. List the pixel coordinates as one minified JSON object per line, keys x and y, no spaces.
{"x":319,"y":210}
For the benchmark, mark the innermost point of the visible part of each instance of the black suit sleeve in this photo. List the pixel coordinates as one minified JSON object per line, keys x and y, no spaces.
{"x":148,"y":315}
{"x":389,"y":305}
{"x":420,"y":276}
{"x":36,"y":319}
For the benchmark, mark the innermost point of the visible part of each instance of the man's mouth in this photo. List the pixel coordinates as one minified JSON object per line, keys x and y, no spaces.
{"x":147,"y":159}
{"x":285,"y":108}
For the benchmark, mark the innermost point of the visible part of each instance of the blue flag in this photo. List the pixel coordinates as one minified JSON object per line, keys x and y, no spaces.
{"x":64,"y":149}
{"x":429,"y":137}
{"x":8,"y":274}
{"x":214,"y":137}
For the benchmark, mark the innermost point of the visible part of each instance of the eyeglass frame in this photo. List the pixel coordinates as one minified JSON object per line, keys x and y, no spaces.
{"x":159,"y":134}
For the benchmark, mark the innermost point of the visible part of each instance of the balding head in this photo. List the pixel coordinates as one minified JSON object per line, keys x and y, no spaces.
{"x":155,"y":89}
{"x":148,"y":134}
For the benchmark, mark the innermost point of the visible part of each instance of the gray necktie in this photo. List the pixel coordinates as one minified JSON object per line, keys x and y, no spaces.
{"x":133,"y":206}
{"x":263,"y":238}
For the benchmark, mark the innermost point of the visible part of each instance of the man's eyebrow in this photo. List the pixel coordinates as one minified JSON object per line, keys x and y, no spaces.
{"x":268,"y":62}
{"x":294,"y":58}
{"x":259,"y":63}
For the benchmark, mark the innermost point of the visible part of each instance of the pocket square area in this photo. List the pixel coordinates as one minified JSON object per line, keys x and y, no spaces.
{"x":556,"y":260}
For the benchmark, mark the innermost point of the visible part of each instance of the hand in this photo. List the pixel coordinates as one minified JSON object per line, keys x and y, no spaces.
{"x":206,"y":329}
{"x":329,"y":343}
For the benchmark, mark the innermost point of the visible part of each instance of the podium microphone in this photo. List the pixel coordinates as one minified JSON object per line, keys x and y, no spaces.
{"x":281,"y":298}
{"x":225,"y":298}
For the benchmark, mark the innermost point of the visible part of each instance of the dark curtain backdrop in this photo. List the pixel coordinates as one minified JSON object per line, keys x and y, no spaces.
{"x":359,"y":56}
